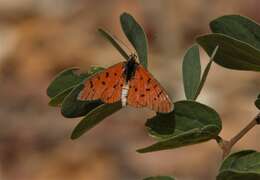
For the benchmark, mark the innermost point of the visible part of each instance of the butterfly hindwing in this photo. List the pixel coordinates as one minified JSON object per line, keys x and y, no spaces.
{"x":144,"y":90}
{"x":106,"y":85}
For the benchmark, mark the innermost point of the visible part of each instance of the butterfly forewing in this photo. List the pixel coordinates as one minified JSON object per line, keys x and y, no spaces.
{"x":146,"y":91}
{"x":106,"y":85}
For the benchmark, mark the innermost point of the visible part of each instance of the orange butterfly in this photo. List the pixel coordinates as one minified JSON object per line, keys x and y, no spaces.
{"x":129,"y":82}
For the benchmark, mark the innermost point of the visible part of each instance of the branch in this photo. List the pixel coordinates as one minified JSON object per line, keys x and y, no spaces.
{"x":226,"y":146}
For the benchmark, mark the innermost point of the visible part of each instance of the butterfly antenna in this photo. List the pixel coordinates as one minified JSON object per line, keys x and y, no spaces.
{"x":121,"y":42}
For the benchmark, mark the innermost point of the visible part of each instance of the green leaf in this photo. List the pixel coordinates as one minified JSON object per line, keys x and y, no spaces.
{"x":94,"y":117}
{"x":194,"y":123}
{"x":114,"y":42}
{"x":205,"y":73}
{"x":191,"y":70}
{"x":64,"y":80}
{"x":136,"y":36}
{"x":67,"y":79}
{"x":159,"y":178}
{"x":58,"y":99}
{"x":232,"y":53}
{"x":161,"y":126}
{"x":72,"y":107}
{"x":257,"y":102}
{"x":238,"y":27}
{"x":240,"y":166}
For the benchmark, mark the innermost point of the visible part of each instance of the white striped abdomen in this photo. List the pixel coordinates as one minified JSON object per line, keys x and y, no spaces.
{"x":124,"y":94}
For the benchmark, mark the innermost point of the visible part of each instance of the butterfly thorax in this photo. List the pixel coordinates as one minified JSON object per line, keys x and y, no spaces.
{"x":130,"y":68}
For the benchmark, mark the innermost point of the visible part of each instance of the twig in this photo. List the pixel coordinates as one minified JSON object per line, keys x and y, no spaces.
{"x":226,"y":146}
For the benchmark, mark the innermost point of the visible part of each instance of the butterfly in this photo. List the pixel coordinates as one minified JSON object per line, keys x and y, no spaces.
{"x":129,"y":82}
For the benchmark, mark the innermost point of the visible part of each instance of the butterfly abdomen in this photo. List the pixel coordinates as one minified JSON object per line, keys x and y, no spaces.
{"x":124,"y":94}
{"x":129,"y":72}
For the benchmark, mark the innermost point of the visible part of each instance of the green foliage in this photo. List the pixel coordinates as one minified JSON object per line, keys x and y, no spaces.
{"x":205,"y":73}
{"x":65,"y":82}
{"x":159,"y":178}
{"x":94,"y":117}
{"x":191,"y":70}
{"x":232,"y":53}
{"x":136,"y":35}
{"x":161,"y":126}
{"x":234,"y":44}
{"x":238,"y":27}
{"x":240,"y":166}
{"x":239,"y":40}
{"x":72,"y":107}
{"x":194,"y":123}
{"x":114,"y":42}
{"x":57,"y":100}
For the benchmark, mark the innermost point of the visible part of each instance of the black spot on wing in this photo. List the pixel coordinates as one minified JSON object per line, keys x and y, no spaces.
{"x":159,"y":94}
{"x":103,"y":82}
{"x":91,"y":84}
{"x":107,"y":74}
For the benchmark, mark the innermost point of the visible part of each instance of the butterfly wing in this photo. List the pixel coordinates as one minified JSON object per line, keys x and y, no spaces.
{"x":145,"y":91}
{"x":106,"y":85}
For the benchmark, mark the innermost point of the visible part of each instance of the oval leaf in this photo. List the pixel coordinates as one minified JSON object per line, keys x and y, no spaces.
{"x":62,"y":81}
{"x":72,"y":107}
{"x":232,"y":53}
{"x":191,"y":71}
{"x":238,"y":27}
{"x":58,"y":99}
{"x":159,"y":178}
{"x":241,"y":165}
{"x":136,"y":35}
{"x":68,"y":78}
{"x":194,"y":123}
{"x":94,"y":117}
{"x":161,"y":126}
{"x":114,"y":42}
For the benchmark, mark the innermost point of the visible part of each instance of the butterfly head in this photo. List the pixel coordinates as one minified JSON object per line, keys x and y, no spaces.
{"x":133,"y":58}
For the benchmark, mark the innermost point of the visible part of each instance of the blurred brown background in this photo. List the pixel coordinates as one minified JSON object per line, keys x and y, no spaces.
{"x":40,"y":38}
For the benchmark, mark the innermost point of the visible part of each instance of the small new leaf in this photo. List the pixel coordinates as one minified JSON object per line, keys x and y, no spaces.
{"x":205,"y":73}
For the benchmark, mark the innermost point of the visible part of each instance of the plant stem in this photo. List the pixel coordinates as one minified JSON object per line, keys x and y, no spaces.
{"x":226,"y":146}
